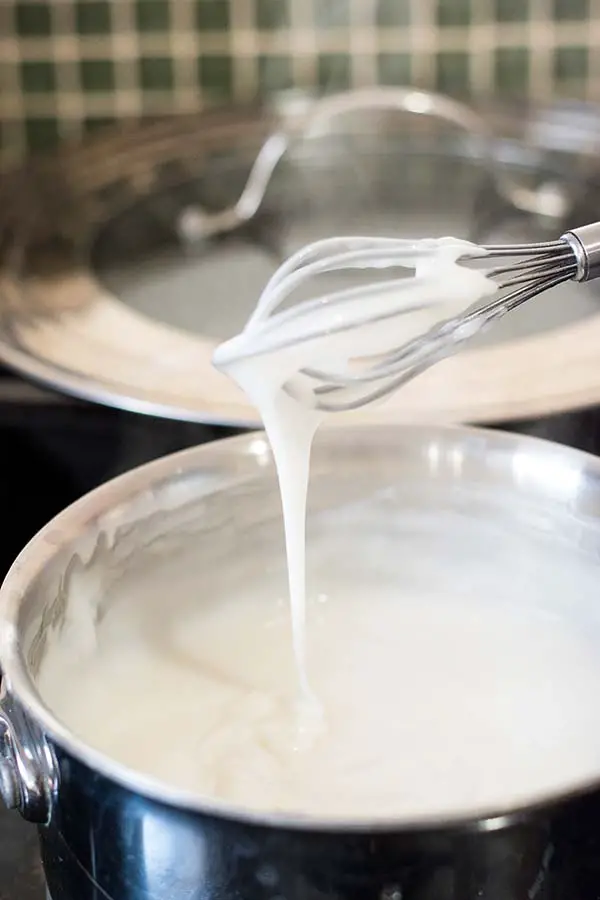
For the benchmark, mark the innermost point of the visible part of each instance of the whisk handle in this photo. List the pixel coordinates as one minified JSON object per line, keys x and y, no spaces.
{"x":585,"y":243}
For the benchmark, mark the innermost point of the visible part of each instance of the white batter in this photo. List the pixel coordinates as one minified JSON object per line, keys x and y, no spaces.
{"x":438,"y":667}
{"x":448,"y":683}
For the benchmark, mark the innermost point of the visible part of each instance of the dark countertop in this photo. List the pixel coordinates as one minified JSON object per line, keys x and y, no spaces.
{"x":20,"y":866}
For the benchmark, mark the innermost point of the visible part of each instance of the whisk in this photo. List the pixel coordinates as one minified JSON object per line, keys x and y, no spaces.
{"x":528,"y":270}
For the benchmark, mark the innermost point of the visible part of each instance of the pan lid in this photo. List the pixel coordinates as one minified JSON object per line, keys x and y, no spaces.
{"x":124,"y":261}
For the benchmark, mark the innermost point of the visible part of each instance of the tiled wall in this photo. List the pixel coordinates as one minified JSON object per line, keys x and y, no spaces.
{"x":69,"y":66}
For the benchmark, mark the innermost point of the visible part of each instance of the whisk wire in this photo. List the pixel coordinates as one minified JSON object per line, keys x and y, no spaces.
{"x":446,"y":334}
{"x":525,"y":271}
{"x":536,"y":249}
{"x":443,"y":340}
{"x":546,"y":266}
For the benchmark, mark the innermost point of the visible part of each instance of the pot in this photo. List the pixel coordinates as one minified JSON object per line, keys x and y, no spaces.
{"x":107,"y":831}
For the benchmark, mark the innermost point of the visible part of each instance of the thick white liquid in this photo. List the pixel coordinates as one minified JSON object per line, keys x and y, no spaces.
{"x":448,"y":683}
{"x":442,"y":669}
{"x":441,"y":286}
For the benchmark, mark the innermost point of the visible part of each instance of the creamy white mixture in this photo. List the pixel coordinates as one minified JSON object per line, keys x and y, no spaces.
{"x":448,"y":682}
{"x":439,"y":665}
{"x":263,"y":364}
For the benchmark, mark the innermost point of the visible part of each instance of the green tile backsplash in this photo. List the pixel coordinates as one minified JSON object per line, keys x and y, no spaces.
{"x":33,"y":19}
{"x":511,"y":70}
{"x":511,"y":10}
{"x":68,"y":67}
{"x":571,"y":9}
{"x":92,"y":17}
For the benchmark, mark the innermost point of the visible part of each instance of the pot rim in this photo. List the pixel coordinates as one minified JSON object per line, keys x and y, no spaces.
{"x":60,"y":532}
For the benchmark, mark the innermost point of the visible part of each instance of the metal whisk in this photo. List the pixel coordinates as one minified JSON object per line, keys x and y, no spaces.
{"x":529,"y":270}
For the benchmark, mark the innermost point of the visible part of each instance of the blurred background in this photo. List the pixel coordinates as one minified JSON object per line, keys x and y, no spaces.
{"x":69,"y":67}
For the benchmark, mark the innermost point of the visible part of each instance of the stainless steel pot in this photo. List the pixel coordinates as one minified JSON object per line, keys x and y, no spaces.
{"x":108,"y":832}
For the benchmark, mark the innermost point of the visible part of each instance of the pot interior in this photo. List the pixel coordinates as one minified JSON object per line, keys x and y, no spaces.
{"x":498,"y":531}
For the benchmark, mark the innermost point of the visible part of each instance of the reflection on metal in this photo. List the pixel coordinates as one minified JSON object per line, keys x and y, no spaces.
{"x":27,"y":768}
{"x":317,"y":119}
{"x":9,"y":782}
{"x":106,"y":293}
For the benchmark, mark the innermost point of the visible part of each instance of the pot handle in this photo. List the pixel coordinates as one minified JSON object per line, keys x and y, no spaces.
{"x":10,"y":794}
{"x":27,"y":767}
{"x":304,"y":116}
{"x":317,"y":120}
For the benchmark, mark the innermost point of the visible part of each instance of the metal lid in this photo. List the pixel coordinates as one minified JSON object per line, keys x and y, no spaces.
{"x":121,"y":269}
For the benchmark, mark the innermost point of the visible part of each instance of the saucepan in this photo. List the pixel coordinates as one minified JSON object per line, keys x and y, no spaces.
{"x":110,"y":832}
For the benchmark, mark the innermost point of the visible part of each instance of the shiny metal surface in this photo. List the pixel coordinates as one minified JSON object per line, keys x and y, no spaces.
{"x":115,"y":834}
{"x":306,"y":117}
{"x":103,"y":296}
{"x":585,"y":242}
{"x":9,"y":779}
{"x":139,"y":849}
{"x":27,"y":769}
